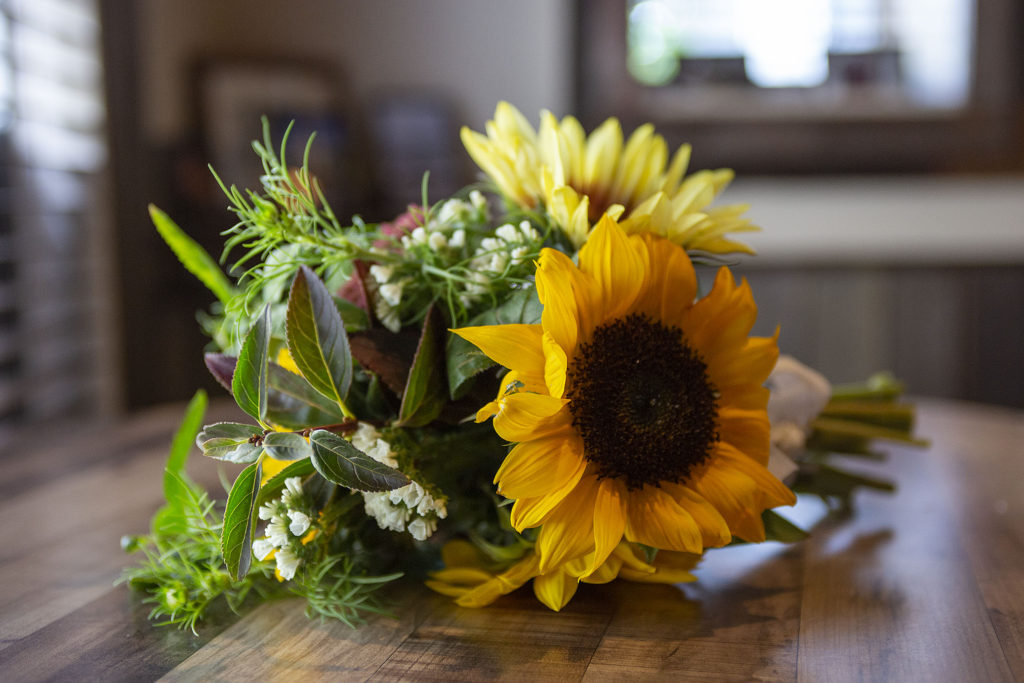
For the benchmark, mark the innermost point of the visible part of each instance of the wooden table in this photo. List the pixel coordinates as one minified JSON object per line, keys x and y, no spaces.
{"x":924,"y":585}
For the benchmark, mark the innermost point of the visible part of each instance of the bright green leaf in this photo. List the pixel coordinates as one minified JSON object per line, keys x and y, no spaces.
{"x":183,"y":440}
{"x":236,"y":538}
{"x":286,"y":446}
{"x":249,"y":382}
{"x":316,"y":337}
{"x":339,"y":461}
{"x":192,"y":256}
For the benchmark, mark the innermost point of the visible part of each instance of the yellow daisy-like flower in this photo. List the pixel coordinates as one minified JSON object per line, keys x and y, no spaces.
{"x":578,"y":178}
{"x":467,"y":579}
{"x":638,"y":413}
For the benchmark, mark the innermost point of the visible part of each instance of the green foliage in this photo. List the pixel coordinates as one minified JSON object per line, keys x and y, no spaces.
{"x":231,"y":442}
{"x":425,"y":394}
{"x":273,"y":487}
{"x":249,"y":382}
{"x":286,"y":446}
{"x":192,"y":256}
{"x":316,"y":338}
{"x":334,"y":590}
{"x":181,"y":569}
{"x":236,"y":537}
{"x":339,"y":461}
{"x":778,"y":528}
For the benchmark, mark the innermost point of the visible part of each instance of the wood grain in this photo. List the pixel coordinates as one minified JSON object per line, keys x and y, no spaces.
{"x":923,"y":585}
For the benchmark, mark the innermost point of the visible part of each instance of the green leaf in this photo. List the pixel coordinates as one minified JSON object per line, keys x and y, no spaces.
{"x":230,"y":441}
{"x":183,"y":440}
{"x":316,"y":337}
{"x":353,"y":316}
{"x":192,"y":256}
{"x":249,"y":382}
{"x":299,"y":468}
{"x":293,"y":404}
{"x":464,"y":360}
{"x":778,"y":528}
{"x":236,"y":539}
{"x":339,"y":461}
{"x":424,"y":394}
{"x":286,"y":446}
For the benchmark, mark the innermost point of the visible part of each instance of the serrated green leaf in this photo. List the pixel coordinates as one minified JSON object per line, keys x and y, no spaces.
{"x":249,"y":382}
{"x":183,"y":440}
{"x":316,"y":337}
{"x":274,"y":485}
{"x":192,"y":256}
{"x":339,"y":461}
{"x":778,"y":528}
{"x":286,"y":446}
{"x":425,"y":394}
{"x":464,"y":361}
{"x":236,"y":538}
{"x":230,"y":441}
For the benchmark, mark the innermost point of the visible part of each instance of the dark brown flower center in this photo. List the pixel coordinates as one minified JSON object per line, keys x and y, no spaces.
{"x":641,"y":400}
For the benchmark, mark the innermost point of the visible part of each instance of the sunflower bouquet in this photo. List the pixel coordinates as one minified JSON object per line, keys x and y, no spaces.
{"x":520,"y":383}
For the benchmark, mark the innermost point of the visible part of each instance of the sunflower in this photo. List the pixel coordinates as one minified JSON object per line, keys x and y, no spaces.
{"x":637,"y":413}
{"x":579,"y":178}
{"x":466,"y":576}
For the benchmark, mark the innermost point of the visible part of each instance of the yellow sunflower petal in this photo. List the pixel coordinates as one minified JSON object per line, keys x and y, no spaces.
{"x":736,"y":498}
{"x":770,"y":491}
{"x":555,"y":365}
{"x":531,"y":512}
{"x":723,"y":318}
{"x":525,"y":416}
{"x":714,"y":529}
{"x":568,"y":531}
{"x":555,"y":588}
{"x":747,"y":430}
{"x":606,"y":573}
{"x":517,"y":347}
{"x":671,"y":290}
{"x":538,"y":467}
{"x":752,"y":363}
{"x":655,"y":519}
{"x":618,"y":265}
{"x":609,"y":521}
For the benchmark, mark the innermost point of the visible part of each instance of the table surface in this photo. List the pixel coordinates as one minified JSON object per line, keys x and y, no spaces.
{"x":923,"y":585}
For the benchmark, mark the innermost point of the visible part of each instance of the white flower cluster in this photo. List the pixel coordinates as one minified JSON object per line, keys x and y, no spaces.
{"x":410,"y":508}
{"x":286,"y":525}
{"x":510,"y":245}
{"x":444,"y":235}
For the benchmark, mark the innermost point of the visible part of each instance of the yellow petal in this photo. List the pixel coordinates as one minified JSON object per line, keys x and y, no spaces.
{"x":555,"y":280}
{"x":655,"y":519}
{"x":517,"y":347}
{"x":736,"y":498}
{"x":530,"y":512}
{"x":618,"y":265}
{"x":460,"y":553}
{"x":555,"y":366}
{"x":538,"y":467}
{"x":568,"y":531}
{"x":672,"y":284}
{"x":609,"y":520}
{"x":555,"y":588}
{"x":747,"y":430}
{"x":713,"y":527}
{"x":525,"y":416}
{"x":770,"y":491}
{"x":752,"y":363}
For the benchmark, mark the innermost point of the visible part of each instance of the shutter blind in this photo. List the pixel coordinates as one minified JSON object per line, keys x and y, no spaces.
{"x":50,"y":308}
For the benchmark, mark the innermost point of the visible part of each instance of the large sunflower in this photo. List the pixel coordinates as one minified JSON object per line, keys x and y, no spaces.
{"x":578,"y":178}
{"x":638,"y":413}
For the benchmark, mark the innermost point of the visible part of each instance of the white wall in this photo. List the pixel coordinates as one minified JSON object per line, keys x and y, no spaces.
{"x":475,"y":51}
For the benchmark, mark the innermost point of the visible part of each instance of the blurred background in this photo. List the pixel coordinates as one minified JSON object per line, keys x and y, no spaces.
{"x":879,"y":143}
